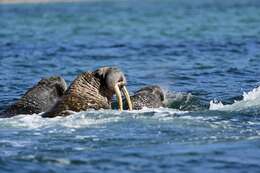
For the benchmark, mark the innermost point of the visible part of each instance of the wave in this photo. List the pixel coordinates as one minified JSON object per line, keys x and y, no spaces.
{"x":90,"y":118}
{"x":181,"y":105}
{"x":250,"y":100}
{"x":183,"y":101}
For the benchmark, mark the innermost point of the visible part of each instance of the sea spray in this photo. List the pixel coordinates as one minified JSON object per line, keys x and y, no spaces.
{"x":250,"y":99}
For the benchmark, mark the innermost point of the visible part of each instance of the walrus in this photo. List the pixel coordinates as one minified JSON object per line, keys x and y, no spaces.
{"x":149,"y":96}
{"x":40,"y":98}
{"x":154,"y":97}
{"x":92,"y":90}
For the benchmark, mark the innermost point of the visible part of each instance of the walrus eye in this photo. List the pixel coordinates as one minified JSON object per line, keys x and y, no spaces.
{"x":119,"y":96}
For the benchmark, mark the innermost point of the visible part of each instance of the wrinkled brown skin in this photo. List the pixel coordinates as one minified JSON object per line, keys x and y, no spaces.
{"x":149,"y":97}
{"x":88,"y":91}
{"x":37,"y":99}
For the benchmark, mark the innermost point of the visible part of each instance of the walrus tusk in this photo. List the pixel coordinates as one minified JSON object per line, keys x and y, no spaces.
{"x":124,"y":89}
{"x":119,"y":97}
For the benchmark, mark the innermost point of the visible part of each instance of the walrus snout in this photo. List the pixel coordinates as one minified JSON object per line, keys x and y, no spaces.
{"x":115,"y":82}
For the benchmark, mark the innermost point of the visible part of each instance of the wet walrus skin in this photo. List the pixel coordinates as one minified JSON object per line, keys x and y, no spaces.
{"x":149,"y":97}
{"x":92,"y":90}
{"x":39,"y":98}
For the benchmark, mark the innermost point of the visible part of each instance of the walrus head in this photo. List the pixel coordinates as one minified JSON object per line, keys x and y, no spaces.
{"x":114,"y":81}
{"x":152,"y":90}
{"x":54,"y":83}
{"x":44,"y":94}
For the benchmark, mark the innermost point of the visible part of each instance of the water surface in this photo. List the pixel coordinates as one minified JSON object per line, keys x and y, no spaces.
{"x":207,"y":48}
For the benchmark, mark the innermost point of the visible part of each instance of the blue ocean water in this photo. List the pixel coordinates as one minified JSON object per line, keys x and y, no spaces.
{"x":206,"y":48}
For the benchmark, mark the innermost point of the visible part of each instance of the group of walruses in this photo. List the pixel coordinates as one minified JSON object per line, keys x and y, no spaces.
{"x":90,"y":90}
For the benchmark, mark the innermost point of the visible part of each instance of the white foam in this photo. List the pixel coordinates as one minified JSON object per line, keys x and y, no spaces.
{"x":250,"y":99}
{"x":84,"y":119}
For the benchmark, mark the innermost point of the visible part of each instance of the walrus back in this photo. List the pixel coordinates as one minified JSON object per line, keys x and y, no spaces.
{"x":149,"y":97}
{"x":37,"y":99}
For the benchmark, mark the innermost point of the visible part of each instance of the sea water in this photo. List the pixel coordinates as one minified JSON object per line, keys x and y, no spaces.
{"x":207,"y":50}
